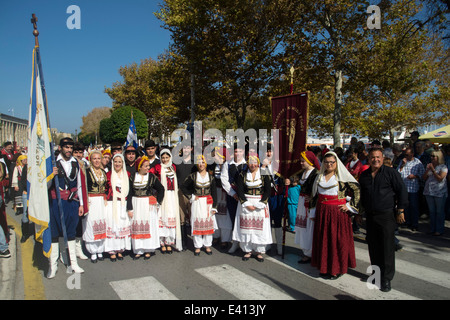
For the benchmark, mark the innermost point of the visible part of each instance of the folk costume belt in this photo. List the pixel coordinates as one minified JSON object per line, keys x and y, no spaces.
{"x":65,"y":194}
{"x":331,"y":200}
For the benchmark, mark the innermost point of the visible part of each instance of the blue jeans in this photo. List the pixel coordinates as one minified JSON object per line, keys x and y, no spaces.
{"x":3,"y":243}
{"x":25,"y":213}
{"x":436,"y":205}
{"x":412,"y":212}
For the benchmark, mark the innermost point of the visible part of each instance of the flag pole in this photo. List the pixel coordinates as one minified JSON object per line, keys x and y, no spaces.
{"x":286,"y":188}
{"x":292,"y":79}
{"x":52,"y":145}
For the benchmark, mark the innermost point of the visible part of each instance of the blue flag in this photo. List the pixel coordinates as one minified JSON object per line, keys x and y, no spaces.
{"x":132,"y":135}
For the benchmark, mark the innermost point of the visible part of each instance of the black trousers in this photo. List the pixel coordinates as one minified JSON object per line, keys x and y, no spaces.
{"x":381,"y":241}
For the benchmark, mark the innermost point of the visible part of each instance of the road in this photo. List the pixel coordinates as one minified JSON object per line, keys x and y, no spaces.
{"x":421,"y":274}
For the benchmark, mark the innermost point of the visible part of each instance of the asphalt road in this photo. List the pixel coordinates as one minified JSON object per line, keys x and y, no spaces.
{"x":422,"y":273}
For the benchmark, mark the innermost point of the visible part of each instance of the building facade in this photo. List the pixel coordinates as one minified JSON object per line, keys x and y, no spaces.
{"x":13,"y":129}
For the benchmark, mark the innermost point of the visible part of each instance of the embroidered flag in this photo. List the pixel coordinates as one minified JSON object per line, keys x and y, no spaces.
{"x":39,"y":157}
{"x":290,"y":117}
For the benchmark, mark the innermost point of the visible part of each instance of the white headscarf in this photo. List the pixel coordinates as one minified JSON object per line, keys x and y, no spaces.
{"x":123,"y":177}
{"x":341,"y":173}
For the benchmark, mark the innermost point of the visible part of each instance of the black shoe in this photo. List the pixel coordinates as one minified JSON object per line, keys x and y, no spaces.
{"x":246,"y":257}
{"x":136,"y":257}
{"x":5,"y":254}
{"x":208,"y":252}
{"x":398,"y":247}
{"x":100,"y":258}
{"x":94,"y":260}
{"x":197,"y":253}
{"x":386,"y":286}
{"x":259,"y":258}
{"x":335,"y":277}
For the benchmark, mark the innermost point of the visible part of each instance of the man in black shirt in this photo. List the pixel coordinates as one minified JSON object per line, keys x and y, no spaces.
{"x":184,"y":169}
{"x":383,"y":198}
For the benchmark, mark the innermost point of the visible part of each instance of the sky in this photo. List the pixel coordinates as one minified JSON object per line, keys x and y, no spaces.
{"x":77,"y":63}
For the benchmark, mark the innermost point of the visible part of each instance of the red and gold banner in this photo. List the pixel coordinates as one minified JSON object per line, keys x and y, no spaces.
{"x":290,"y":117}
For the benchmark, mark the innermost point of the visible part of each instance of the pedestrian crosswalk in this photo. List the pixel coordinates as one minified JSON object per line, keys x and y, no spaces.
{"x":145,"y":288}
{"x":242,"y":285}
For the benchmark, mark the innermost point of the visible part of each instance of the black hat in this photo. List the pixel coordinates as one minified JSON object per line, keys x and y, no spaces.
{"x":130,"y":149}
{"x":149,"y":143}
{"x":415,"y":133}
{"x":66,"y":141}
{"x":377,"y":142}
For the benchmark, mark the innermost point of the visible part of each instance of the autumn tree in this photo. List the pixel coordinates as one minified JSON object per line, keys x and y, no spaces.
{"x":232,"y":48}
{"x":91,"y":123}
{"x":399,"y":75}
{"x":157,"y":88}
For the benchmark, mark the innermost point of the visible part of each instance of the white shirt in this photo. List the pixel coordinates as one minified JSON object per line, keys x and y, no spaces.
{"x":67,"y":166}
{"x":224,"y":178}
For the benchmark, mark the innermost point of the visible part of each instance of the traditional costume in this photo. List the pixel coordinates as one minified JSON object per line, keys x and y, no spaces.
{"x":333,"y":250}
{"x":203,"y":197}
{"x":70,"y":190}
{"x":304,"y":223}
{"x":228,"y":176}
{"x":118,"y":226}
{"x":94,"y":224}
{"x":19,"y":180}
{"x":252,"y":228}
{"x":224,"y":223}
{"x":169,"y":214}
{"x":143,"y":203}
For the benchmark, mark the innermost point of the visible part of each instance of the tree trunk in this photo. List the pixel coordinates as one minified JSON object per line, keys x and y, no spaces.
{"x":337,"y":109}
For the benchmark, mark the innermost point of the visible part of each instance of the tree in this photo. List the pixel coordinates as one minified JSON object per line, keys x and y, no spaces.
{"x":233,"y":48}
{"x":91,"y":123}
{"x":116,"y":127}
{"x":156,"y":89}
{"x":400,"y":74}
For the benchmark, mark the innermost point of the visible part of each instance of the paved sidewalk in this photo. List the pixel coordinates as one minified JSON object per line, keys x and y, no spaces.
{"x":8,"y":267}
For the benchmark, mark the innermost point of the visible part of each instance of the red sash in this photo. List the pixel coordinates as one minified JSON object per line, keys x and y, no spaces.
{"x":331,"y":200}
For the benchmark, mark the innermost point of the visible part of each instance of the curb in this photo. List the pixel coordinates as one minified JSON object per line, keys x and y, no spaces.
{"x":8,"y":270}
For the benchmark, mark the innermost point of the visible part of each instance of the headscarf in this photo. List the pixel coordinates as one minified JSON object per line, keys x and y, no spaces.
{"x":342,"y":174}
{"x":253,"y":156}
{"x":106,"y":151}
{"x":115,"y":176}
{"x":19,"y":160}
{"x":311,"y":159}
{"x":141,"y":161}
{"x":200,"y":157}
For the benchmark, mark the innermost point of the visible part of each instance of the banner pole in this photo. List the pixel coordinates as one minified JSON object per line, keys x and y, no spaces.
{"x":52,"y":152}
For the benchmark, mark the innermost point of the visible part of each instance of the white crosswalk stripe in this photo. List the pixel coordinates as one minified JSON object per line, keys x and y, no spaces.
{"x":414,"y":270}
{"x":241,"y":285}
{"x":244,"y":286}
{"x":145,"y":288}
{"x":347,"y":283}
{"x":422,"y":248}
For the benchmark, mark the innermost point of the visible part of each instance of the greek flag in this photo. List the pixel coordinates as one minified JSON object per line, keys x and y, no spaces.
{"x":132,"y":135}
{"x":39,"y":157}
